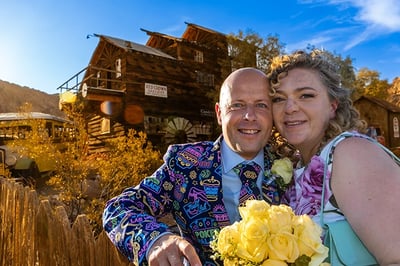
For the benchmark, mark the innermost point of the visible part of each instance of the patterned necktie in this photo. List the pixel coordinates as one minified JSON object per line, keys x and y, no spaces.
{"x":248,"y":174}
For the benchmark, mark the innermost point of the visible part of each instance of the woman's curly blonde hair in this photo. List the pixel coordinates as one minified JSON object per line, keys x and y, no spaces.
{"x":347,"y":117}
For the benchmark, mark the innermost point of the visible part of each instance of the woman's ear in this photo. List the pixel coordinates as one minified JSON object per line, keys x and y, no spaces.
{"x":334,"y":105}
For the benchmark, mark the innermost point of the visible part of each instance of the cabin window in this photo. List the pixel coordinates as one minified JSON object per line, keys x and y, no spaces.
{"x":118,"y":68}
{"x":198,"y":56}
{"x":396,"y":128}
{"x":210,"y":79}
{"x":105,"y":126}
{"x":205,"y":79}
{"x":98,"y":77}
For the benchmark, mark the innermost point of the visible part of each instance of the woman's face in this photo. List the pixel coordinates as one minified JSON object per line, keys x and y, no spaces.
{"x":302,"y":109}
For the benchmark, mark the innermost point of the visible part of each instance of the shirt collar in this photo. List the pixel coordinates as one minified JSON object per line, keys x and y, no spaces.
{"x":230,"y":158}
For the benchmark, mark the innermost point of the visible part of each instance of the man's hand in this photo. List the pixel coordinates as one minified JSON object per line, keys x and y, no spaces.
{"x":172,"y":250}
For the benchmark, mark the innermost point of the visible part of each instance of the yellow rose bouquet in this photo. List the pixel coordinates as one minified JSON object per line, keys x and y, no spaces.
{"x":270,"y":236}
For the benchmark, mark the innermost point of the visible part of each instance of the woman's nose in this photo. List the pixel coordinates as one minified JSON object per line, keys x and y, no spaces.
{"x":291,"y":106}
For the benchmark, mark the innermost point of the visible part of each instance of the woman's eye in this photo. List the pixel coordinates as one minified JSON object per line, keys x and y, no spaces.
{"x":307,"y":95}
{"x":277,"y":99}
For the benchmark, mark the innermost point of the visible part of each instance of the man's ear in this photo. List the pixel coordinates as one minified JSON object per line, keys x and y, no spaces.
{"x":218,"y":113}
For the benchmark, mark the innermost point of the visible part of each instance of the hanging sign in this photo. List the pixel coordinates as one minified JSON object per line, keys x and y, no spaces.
{"x":155,"y":90}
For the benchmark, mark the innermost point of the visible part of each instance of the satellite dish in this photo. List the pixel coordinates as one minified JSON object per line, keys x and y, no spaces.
{"x":84,"y":90}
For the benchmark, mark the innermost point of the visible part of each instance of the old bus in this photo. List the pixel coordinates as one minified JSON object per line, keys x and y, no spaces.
{"x":17,"y":127}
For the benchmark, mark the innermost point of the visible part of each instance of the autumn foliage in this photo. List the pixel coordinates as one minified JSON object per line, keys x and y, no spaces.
{"x":83,"y":183}
{"x":86,"y":183}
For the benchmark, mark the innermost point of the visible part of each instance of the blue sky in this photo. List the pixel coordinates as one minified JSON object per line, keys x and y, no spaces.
{"x":43,"y":42}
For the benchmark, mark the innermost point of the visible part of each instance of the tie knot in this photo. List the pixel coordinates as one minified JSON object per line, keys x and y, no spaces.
{"x":247,"y":171}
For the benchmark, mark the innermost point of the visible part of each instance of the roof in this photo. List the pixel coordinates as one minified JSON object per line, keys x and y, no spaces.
{"x":385,"y":104}
{"x":159,"y":40}
{"x":205,"y":36}
{"x":128,"y":45}
{"x":30,"y":115}
{"x":151,"y":33}
{"x":204,"y":28}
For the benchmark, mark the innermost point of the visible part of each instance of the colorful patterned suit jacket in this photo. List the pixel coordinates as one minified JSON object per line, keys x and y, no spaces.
{"x":189,"y":186}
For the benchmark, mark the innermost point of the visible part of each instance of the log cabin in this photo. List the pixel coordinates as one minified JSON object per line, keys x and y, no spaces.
{"x":383,"y":116}
{"x":165,"y":88}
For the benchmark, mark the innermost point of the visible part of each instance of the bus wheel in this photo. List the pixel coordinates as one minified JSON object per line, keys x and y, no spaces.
{"x":30,"y":175}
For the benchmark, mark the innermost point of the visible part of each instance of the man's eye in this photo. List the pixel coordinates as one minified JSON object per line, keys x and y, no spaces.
{"x":262,"y":105}
{"x":236,"y":106}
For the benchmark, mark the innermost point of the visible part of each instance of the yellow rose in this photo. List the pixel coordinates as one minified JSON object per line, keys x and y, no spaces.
{"x":320,"y":255}
{"x":283,"y":246}
{"x":283,"y":168}
{"x":228,"y":238}
{"x":325,"y":264}
{"x":308,"y":233}
{"x":280,"y":218}
{"x":254,"y":208}
{"x":309,"y":239}
{"x":253,"y":240}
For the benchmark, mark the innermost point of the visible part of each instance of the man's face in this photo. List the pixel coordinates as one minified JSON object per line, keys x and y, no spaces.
{"x":244,"y":112}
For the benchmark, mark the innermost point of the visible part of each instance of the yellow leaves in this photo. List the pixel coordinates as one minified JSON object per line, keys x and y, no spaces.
{"x":85,"y":182}
{"x":128,"y":161}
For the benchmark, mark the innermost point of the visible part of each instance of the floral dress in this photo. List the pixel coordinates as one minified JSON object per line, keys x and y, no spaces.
{"x":305,"y":195}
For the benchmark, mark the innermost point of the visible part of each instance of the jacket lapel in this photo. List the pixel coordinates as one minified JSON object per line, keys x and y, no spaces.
{"x":211,"y":179}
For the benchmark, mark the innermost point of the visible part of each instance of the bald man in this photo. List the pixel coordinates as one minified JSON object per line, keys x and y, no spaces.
{"x":197,"y":183}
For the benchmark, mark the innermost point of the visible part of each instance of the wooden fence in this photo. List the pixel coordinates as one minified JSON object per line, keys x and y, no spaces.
{"x":33,"y":233}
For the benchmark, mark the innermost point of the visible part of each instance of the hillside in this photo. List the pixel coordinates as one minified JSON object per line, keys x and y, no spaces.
{"x":12,"y":96}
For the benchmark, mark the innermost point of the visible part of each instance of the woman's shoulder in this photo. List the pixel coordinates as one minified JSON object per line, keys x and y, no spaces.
{"x":363,"y":158}
{"x":356,"y":142}
{"x":351,"y":135}
{"x":350,"y":140}
{"x":354,"y":146}
{"x":352,"y":150}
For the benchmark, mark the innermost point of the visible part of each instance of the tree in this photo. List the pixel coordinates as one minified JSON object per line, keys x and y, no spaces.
{"x":344,"y":66}
{"x":394,"y":92}
{"x":347,"y":72}
{"x":85,"y":182}
{"x":368,"y":84}
{"x":248,"y":49}
{"x":128,"y":161}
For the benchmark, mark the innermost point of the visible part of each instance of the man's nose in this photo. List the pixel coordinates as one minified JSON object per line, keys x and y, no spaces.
{"x":250,"y":112}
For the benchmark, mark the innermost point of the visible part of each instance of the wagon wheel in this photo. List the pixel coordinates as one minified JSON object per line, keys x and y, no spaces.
{"x":179,"y":130}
